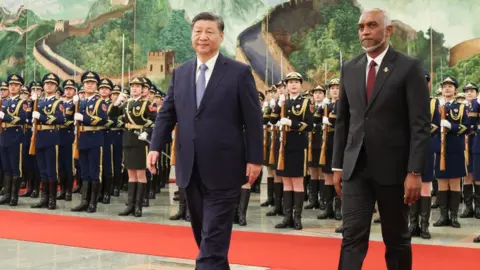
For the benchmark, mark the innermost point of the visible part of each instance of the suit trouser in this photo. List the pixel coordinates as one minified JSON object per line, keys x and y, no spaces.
{"x":90,"y":164}
{"x":12,"y":159}
{"x":359,"y":194}
{"x":47,"y":160}
{"x":211,"y":212}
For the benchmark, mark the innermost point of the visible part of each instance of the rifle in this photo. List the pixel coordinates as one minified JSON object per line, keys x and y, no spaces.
{"x":323,"y":153}
{"x":33,"y":140}
{"x":443,"y":139}
{"x":76,"y":154}
{"x":1,"y":101}
{"x":273,"y":139}
{"x":283,"y":141}
{"x":265,"y":140}
{"x":310,"y":141}
{"x":173,"y":156}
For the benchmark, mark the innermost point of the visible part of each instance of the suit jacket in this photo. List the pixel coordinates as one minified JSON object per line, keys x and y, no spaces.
{"x":393,"y":127}
{"x":222,"y":135}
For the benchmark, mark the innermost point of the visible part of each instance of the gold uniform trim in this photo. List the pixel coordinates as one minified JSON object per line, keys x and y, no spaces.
{"x":101,"y":165}
{"x":20,"y":163}
{"x":56,"y":163}
{"x":111,"y":157}
{"x":432,"y":108}
{"x":303,"y":126}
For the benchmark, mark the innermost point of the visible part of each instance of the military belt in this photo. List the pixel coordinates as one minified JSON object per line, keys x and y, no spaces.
{"x":46,"y":127}
{"x":8,"y":125}
{"x":132,"y":126}
{"x":90,"y":128}
{"x":330,"y":129}
{"x":116,"y":129}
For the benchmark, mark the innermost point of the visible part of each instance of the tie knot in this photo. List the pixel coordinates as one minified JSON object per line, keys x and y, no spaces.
{"x":203,"y":67}
{"x":373,"y":63}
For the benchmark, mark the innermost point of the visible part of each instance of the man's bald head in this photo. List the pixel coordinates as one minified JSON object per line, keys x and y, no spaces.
{"x":374,"y":30}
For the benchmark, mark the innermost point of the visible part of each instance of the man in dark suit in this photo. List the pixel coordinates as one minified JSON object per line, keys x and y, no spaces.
{"x":381,"y":143}
{"x":214,"y":102}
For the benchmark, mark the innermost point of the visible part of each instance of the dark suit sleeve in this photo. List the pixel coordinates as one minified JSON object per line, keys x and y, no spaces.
{"x":252,"y":117}
{"x":418,"y":103}
{"x":165,"y":120}
{"x":341,"y":125}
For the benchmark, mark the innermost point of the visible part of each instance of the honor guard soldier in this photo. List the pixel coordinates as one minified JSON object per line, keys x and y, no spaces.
{"x":450,"y":165}
{"x":137,"y":112}
{"x":296,"y":120}
{"x":268,"y":151}
{"x":47,"y":115}
{"x":146,"y":88}
{"x":105,"y":88}
{"x":471,"y":181}
{"x":422,"y":207}
{"x":329,"y":124}
{"x":67,"y":138}
{"x":91,"y":119}
{"x":315,"y":147}
{"x":13,"y":116}
{"x":116,"y":134}
{"x":78,"y":169}
{"x":28,"y":161}
{"x":4,"y":96}
{"x":160,"y":179}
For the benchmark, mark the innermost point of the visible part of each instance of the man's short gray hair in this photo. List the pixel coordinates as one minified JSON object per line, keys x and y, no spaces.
{"x":386,"y":16}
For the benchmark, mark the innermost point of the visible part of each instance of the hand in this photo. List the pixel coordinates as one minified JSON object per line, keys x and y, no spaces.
{"x":325,"y":121}
{"x":78,"y":117}
{"x":2,"y":114}
{"x":337,"y":182}
{"x":446,"y":124}
{"x":143,"y":136}
{"x":152,"y":161}
{"x":286,"y":122}
{"x":75,"y":99}
{"x":34,"y":96}
{"x":325,"y":102}
{"x":281,"y":100}
{"x":120,"y":100}
{"x":413,"y":186}
{"x":253,"y":171}
{"x":272,"y":103}
{"x":265,"y":105}
{"x":441,"y":101}
{"x":36,"y":115}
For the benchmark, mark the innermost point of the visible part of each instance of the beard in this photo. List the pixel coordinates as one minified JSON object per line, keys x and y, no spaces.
{"x":374,"y":47}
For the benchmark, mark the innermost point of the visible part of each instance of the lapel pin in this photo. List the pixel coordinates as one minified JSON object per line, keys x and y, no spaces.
{"x":385,"y":69}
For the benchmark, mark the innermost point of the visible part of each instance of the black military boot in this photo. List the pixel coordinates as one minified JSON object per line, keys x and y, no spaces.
{"x":298,"y":199}
{"x":444,"y":220}
{"x":44,"y":196}
{"x":182,"y":206}
{"x":468,"y":199}
{"x":28,"y":175}
{"x":152,"y":194}
{"x":434,"y":187}
{"x":321,"y":194}
{"x":132,"y":188}
{"x":146,"y":199}
{"x":414,"y":212}
{"x":269,"y":201}
{"x":62,"y":177}
{"x":436,"y":203}
{"x":339,"y":229}
{"x":52,"y":190}
{"x":15,"y":190}
{"x":328,"y":212}
{"x":78,"y":179}
{"x":68,"y":187}
{"x":338,"y":208}
{"x":188,"y":218}
{"x":287,"y":221}
{"x":92,"y":207}
{"x":313,"y":195}
{"x":476,"y":239}
{"x":86,"y":192}
{"x":124,"y":185}
{"x":278,"y":196}
{"x":454,"y":204}
{"x":117,"y":181}
{"x":243,"y":206}
{"x":477,"y":201}
{"x":166,"y":176}
{"x":7,"y":187}
{"x":141,"y":191}
{"x":106,"y":189}
{"x":306,"y":184}
{"x":425,"y":204}
{"x":36,"y":184}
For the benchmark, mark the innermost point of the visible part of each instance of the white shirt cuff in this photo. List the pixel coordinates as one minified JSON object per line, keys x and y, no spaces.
{"x":336,"y":170}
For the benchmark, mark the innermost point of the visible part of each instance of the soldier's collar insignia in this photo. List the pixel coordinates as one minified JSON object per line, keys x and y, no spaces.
{"x":385,"y":69}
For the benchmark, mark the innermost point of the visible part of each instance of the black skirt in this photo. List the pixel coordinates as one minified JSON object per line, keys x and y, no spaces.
{"x":295,"y":164}
{"x":135,"y":158}
{"x":315,"y":163}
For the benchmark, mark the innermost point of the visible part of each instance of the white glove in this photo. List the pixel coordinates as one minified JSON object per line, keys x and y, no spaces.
{"x":119,"y":100}
{"x":265,"y":105}
{"x":446,"y":124}
{"x":278,"y":124}
{"x":325,"y":121}
{"x":286,"y":122}
{"x":36,"y":115}
{"x":78,"y":117}
{"x":325,"y":102}
{"x":34,"y":96}
{"x":314,"y":125}
{"x":441,"y":101}
{"x":143,"y":136}
{"x":33,"y":129}
{"x":281,"y":100}
{"x":75,"y":99}
{"x":272,"y":103}
{"x":2,"y":114}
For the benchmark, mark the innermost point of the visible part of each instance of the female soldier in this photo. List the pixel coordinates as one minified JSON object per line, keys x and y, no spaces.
{"x":137,"y":112}
{"x":296,"y":120}
{"x":268,"y":133}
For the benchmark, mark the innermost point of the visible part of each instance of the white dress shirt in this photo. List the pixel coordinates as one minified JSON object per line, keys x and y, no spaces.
{"x":210,"y":64}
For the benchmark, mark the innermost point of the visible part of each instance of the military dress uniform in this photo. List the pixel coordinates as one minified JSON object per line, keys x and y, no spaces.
{"x":455,"y":166}
{"x":92,"y":117}
{"x":300,"y":117}
{"x":4,"y":95}
{"x":13,"y":117}
{"x":28,"y":163}
{"x":116,"y":135}
{"x":67,"y":138}
{"x":137,"y":113}
{"x":48,"y":116}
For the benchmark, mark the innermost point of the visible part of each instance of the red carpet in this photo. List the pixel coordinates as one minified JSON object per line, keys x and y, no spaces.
{"x":280,"y":252}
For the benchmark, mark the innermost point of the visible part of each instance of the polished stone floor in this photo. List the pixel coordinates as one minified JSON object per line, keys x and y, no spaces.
{"x":24,"y":255}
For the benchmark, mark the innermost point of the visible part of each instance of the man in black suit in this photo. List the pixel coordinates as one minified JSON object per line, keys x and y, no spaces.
{"x":214,"y":102}
{"x":381,"y":143}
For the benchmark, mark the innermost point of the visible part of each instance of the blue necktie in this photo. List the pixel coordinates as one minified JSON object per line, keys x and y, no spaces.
{"x":201,"y":84}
